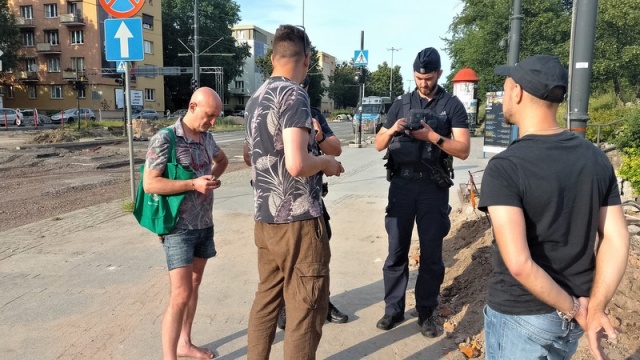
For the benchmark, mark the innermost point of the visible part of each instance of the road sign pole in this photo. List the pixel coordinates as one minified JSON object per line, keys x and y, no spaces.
{"x":129,"y":126}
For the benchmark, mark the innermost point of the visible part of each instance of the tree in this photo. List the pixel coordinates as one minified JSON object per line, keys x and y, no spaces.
{"x":216,"y":17}
{"x":343,"y":88}
{"x":9,"y":37}
{"x":479,"y":36}
{"x":378,"y":82}
{"x":316,"y":89}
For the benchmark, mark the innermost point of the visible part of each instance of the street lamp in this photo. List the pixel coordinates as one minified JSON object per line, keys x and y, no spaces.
{"x":391,"y":77}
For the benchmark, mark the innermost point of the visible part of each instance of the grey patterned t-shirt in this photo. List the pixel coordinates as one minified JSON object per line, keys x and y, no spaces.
{"x":280,"y":198}
{"x":196,"y":208}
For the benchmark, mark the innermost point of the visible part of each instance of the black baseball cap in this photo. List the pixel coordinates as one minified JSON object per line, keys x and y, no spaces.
{"x":542,"y":76}
{"x":427,"y":61}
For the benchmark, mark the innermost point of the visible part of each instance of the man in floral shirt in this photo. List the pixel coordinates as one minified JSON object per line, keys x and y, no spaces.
{"x":293,"y":247}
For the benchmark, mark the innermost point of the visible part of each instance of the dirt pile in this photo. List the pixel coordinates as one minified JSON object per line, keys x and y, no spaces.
{"x":467,"y":257}
{"x":61,"y":135}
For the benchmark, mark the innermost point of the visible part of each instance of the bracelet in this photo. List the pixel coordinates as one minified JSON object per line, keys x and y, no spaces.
{"x":323,"y":138}
{"x":569,"y":316}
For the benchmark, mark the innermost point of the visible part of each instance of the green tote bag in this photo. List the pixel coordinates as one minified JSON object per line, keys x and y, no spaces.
{"x":159,"y":213}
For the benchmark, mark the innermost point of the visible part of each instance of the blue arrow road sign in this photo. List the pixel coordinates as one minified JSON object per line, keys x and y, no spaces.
{"x":123,"y":39}
{"x":361,"y":57}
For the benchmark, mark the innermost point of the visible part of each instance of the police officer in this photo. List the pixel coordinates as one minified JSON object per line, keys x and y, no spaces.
{"x":423,"y":130}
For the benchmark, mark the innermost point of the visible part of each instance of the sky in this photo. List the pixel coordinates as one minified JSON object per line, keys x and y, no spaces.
{"x":335,"y":26}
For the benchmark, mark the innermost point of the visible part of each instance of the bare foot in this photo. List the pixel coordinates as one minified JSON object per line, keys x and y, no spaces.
{"x":192,"y":351}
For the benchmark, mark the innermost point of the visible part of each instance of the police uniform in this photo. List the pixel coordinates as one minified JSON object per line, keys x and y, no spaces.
{"x":414,"y":196}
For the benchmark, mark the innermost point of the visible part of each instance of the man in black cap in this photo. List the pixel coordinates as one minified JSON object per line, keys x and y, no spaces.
{"x":424,"y":129}
{"x":548,"y":195}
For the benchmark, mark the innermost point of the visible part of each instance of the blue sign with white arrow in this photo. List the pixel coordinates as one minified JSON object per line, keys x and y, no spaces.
{"x":123,"y":39}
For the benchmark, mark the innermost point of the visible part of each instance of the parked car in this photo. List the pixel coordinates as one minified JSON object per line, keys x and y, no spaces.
{"x":238,"y":113}
{"x":29,"y":117}
{"x":71,"y":115}
{"x":148,"y":114}
{"x":176,"y":114}
{"x":12,"y":116}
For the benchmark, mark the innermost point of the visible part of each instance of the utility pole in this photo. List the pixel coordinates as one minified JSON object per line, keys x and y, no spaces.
{"x":580,"y":64}
{"x":514,"y":45}
{"x":391,"y":77}
{"x":196,"y":46}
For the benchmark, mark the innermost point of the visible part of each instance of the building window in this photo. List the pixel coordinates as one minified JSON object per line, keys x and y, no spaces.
{"x":56,"y":91}
{"x":31,"y":92}
{"x":77,"y":37}
{"x":53,"y":65}
{"x":28,"y":39}
{"x":77,"y":63}
{"x":50,"y":10}
{"x":30,"y":64}
{"x":150,"y":2}
{"x":239,"y":84}
{"x":147,"y":21}
{"x":148,"y":47}
{"x":26,"y":12}
{"x":72,"y":8}
{"x":241,"y":100}
{"x":226,"y":100}
{"x":149,"y":94}
{"x":10,"y":92}
{"x":51,"y":36}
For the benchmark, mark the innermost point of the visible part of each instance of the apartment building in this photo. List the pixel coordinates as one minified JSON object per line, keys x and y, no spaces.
{"x":327,"y":63}
{"x":241,"y":88}
{"x":63,"y":41}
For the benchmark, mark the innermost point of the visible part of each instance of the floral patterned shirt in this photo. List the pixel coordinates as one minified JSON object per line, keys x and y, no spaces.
{"x":280,"y":198}
{"x":196,"y":208}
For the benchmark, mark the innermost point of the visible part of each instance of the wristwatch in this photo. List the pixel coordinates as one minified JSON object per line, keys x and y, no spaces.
{"x":323,"y":138}
{"x":440,"y":141}
{"x":569,"y":316}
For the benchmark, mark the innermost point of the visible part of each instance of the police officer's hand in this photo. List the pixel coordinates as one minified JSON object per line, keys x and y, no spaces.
{"x":318,"y":129}
{"x":399,"y":125}
{"x":333,"y":167}
{"x":424,"y":134}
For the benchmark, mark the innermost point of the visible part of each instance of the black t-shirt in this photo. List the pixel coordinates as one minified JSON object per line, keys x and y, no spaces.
{"x":560,"y":182}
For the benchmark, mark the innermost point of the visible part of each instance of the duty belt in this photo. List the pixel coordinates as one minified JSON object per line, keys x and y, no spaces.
{"x":409,"y":172}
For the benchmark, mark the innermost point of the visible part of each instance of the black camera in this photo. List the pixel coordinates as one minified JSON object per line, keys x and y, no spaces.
{"x":416,"y":115}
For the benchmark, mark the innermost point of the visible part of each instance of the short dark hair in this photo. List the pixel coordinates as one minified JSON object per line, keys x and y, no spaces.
{"x":291,"y":42}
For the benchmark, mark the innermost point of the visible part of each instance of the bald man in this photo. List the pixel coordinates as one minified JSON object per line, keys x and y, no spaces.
{"x":190,"y":243}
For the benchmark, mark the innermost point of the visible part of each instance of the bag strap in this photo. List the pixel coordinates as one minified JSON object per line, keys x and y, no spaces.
{"x":172,"y":144}
{"x":406,"y":104}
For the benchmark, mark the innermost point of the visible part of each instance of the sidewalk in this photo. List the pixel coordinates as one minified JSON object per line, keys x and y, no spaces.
{"x":93,"y":284}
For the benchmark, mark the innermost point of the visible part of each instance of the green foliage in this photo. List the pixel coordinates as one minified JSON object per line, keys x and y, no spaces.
{"x":343,"y":88}
{"x":630,"y":169}
{"x":629,"y":137}
{"x":378,"y":81}
{"x":127,"y":206}
{"x":10,"y":41}
{"x":216,"y":17}
{"x":612,"y":122}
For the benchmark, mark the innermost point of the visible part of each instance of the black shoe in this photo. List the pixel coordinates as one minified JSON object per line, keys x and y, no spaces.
{"x":282,"y":319}
{"x":428,"y":326}
{"x":335,"y":316}
{"x":389,"y":321}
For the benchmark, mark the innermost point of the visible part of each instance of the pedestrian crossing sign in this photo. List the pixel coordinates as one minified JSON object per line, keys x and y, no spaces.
{"x":121,"y":67}
{"x":360,"y":57}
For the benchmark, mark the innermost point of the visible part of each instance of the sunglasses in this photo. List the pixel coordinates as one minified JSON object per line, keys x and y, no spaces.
{"x":304,"y":38}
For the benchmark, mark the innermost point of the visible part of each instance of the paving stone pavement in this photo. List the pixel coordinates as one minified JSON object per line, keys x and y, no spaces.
{"x":93,"y":283}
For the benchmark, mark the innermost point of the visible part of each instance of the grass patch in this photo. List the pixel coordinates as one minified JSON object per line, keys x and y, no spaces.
{"x":127,"y":206}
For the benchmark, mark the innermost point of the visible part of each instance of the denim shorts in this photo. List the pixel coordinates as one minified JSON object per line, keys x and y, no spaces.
{"x":543,"y":336}
{"x":185,"y":244}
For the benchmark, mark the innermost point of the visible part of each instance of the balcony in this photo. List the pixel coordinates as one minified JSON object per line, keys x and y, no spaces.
{"x":72,"y":74}
{"x":238,"y":91}
{"x":72,"y":19}
{"x":27,"y":76}
{"x":24,"y":23}
{"x":47,"y":48}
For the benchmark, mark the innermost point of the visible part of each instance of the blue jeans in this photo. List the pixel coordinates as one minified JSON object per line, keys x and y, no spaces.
{"x":544,"y":336}
{"x":183,"y":245}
